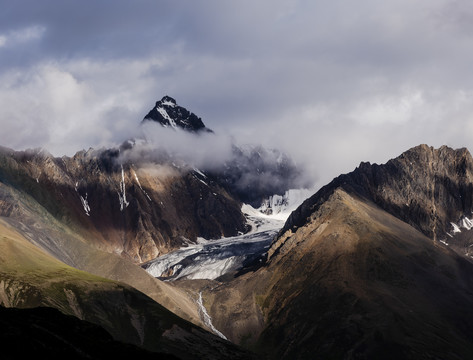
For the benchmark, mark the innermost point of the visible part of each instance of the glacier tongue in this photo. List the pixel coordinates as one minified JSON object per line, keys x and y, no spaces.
{"x":210,"y":259}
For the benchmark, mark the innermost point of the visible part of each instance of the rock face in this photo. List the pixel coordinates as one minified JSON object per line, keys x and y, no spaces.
{"x":169,"y":114}
{"x":427,"y":188}
{"x":357,"y":271}
{"x":138,"y":211}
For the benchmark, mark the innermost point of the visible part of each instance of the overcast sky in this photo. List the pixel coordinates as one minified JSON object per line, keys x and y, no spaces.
{"x":332,"y":82}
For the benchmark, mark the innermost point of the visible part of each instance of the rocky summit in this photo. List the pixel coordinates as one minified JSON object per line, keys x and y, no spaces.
{"x":169,"y":114}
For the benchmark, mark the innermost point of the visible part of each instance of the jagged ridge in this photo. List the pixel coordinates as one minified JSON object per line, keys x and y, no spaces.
{"x":427,"y":188}
{"x":169,"y":114}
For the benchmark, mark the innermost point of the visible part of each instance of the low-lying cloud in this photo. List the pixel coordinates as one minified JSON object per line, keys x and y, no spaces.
{"x":250,"y":171}
{"x":157,"y":143}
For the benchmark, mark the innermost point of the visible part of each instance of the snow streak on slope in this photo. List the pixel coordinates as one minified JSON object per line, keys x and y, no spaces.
{"x":85,"y":204}
{"x":122,"y":197}
{"x":165,"y":115}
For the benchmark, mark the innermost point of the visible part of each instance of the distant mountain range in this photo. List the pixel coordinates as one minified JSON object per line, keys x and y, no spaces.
{"x":376,"y":264}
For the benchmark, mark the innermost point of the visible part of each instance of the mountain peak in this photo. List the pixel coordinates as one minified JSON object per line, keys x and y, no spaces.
{"x":168,"y":101}
{"x":169,"y":114}
{"x":428,"y":188}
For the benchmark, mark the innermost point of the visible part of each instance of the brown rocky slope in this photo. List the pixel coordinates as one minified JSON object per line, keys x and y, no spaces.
{"x":357,"y":272}
{"x":136,"y":211}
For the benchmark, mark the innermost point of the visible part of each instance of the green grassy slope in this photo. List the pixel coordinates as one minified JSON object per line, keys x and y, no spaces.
{"x":29,"y":277}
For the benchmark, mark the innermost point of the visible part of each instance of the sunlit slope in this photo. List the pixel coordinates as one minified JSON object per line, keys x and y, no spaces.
{"x":39,"y":227}
{"x":138,"y":211}
{"x":29,"y":278}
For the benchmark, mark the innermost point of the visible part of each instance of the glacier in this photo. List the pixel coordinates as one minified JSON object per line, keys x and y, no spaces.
{"x":210,"y":259}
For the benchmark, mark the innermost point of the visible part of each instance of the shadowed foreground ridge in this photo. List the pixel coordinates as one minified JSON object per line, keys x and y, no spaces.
{"x":47,"y":332}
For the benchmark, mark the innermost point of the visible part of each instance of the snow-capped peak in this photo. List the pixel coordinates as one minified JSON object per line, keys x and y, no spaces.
{"x":169,"y":114}
{"x":168,"y":101}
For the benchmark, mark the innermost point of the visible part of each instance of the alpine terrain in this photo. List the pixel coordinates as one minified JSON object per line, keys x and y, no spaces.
{"x":137,"y":251}
{"x":374,"y":265}
{"x":74,"y":231}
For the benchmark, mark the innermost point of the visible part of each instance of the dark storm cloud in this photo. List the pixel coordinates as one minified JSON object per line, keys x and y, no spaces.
{"x":333,"y":83}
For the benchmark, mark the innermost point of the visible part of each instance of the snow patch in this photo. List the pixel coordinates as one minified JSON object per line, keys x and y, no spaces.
{"x":281,"y":206}
{"x":464,"y":223}
{"x":84,"y":201}
{"x":202,"y":181}
{"x":168,"y":103}
{"x":85,"y":204}
{"x":165,"y":115}
{"x":456,"y":228}
{"x":199,"y":172}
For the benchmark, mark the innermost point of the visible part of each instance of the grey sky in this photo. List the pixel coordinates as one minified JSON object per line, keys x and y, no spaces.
{"x":331,"y":82}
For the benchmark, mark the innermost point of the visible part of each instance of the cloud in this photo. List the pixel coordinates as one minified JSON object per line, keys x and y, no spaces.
{"x":156,"y":143}
{"x":250,"y":171}
{"x":332,"y":83}
{"x":21,"y":36}
{"x":68,"y":107}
